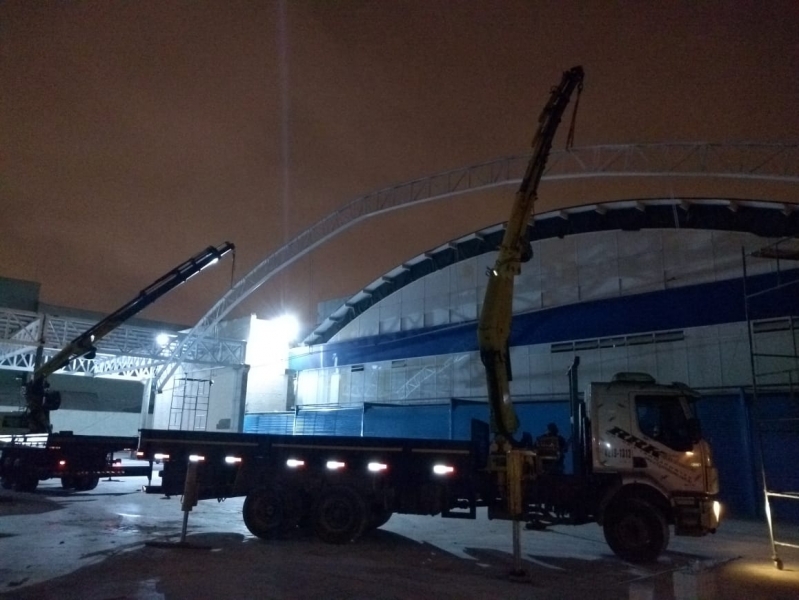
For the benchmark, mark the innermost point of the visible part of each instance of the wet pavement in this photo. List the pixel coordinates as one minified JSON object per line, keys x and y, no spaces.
{"x":115,"y":543}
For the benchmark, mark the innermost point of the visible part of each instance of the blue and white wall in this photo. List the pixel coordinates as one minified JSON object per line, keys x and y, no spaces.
{"x":668,"y":302}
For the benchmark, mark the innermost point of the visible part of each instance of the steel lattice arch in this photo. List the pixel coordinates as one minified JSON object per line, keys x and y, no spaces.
{"x":773,"y":163}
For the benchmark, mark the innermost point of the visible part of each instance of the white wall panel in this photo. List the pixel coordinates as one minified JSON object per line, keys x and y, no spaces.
{"x":613,"y":360}
{"x":735,"y":363}
{"x":413,"y":291}
{"x":540,"y":369}
{"x":369,"y":323}
{"x":672,"y":362}
{"x":437,"y":283}
{"x":643,"y":359}
{"x":704,"y":357}
{"x":464,"y":275}
{"x":463,"y":306}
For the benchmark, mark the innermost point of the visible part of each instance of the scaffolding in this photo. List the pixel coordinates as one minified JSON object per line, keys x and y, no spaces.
{"x":188,"y":410}
{"x":774,"y":363}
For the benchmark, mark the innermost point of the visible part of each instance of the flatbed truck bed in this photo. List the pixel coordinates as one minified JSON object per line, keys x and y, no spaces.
{"x":340,"y":486}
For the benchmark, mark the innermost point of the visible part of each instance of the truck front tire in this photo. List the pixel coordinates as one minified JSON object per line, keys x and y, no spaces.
{"x":636,"y":530}
{"x":340,"y":515}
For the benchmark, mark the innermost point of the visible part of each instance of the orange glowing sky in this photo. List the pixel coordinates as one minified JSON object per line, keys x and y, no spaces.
{"x":133,"y":134}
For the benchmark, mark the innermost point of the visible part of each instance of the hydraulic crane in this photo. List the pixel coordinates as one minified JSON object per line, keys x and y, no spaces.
{"x":495,"y":317}
{"x":40,"y":400}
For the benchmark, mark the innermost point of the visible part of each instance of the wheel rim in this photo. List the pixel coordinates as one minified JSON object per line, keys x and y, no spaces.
{"x":338,"y":514}
{"x":633,"y":532}
{"x":267,"y":511}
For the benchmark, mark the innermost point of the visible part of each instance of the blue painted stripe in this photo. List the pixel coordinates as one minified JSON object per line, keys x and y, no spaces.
{"x":679,"y":308}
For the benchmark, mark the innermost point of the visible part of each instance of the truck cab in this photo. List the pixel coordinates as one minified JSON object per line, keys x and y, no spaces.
{"x":647,"y":449}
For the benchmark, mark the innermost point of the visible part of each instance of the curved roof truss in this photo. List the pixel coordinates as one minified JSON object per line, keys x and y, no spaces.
{"x":764,"y":162}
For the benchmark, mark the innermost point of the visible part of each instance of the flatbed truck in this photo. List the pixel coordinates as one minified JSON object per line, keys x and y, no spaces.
{"x":639,"y":463}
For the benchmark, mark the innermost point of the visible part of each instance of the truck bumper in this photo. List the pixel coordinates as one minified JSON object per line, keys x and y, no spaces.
{"x":696,"y":515}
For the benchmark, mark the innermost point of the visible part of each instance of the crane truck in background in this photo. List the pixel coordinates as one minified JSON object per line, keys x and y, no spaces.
{"x":30,"y":451}
{"x":639,"y":463}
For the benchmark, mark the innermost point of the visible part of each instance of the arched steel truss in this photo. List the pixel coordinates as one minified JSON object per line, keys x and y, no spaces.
{"x":761,"y":162}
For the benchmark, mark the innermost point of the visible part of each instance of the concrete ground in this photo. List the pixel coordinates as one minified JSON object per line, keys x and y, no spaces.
{"x":91,"y":546}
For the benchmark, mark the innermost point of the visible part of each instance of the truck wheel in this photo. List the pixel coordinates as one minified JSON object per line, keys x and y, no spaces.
{"x":84,"y":483}
{"x":636,"y":531}
{"x":378,"y":518}
{"x":270,"y":512}
{"x":26,"y":482}
{"x":340,"y":515}
{"x":67,"y":482}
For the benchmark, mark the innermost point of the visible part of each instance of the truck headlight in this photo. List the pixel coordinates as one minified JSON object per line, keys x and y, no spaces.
{"x":717,"y":509}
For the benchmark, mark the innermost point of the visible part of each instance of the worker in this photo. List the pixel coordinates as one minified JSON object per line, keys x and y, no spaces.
{"x":555,"y":446}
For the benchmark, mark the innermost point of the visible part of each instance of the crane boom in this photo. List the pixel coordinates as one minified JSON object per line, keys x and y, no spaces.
{"x":40,"y":401}
{"x":496,"y":315}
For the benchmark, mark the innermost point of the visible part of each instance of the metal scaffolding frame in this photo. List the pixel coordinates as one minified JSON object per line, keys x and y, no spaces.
{"x":782,"y":371}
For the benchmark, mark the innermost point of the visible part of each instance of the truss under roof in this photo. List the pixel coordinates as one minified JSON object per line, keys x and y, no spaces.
{"x":129,"y":351}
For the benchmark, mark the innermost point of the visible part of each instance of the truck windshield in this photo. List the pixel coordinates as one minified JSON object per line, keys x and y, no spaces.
{"x":663,"y":419}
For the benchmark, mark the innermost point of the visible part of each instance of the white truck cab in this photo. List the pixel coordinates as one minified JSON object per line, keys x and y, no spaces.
{"x":647,"y":437}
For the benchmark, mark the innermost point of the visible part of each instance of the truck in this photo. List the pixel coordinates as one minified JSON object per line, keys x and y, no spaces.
{"x":638,"y":465}
{"x":29,"y":449}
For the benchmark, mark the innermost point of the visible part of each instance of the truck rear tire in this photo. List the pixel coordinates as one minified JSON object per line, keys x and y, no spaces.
{"x":636,"y":530}
{"x":340,"y":515}
{"x":84,"y":483}
{"x":378,"y":518}
{"x":269,"y":512}
{"x":26,"y":482}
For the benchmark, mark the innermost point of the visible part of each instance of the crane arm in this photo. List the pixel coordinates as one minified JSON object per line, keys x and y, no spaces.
{"x":496,"y":315}
{"x":39,"y":401}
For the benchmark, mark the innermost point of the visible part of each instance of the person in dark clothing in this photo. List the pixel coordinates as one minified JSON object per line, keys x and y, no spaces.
{"x":554,"y":444}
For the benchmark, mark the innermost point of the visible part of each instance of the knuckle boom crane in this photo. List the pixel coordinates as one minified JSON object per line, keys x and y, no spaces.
{"x":78,"y":460}
{"x":493,"y":331}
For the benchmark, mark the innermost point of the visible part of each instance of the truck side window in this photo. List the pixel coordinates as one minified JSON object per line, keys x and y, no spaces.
{"x":663,"y":419}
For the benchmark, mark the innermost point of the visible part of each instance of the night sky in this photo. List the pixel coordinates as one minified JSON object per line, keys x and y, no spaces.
{"x":133,"y":134}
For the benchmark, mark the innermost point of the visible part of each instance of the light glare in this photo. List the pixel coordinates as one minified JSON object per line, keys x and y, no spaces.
{"x":443,"y":469}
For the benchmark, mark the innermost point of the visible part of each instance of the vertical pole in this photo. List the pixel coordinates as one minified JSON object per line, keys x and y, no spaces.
{"x":190,"y":495}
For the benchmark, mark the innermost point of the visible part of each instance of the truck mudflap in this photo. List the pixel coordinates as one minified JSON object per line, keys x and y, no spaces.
{"x":695,"y":515}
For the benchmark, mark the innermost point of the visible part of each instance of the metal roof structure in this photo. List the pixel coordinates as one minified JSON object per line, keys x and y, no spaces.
{"x":772,"y":163}
{"x":129,"y":351}
{"x":767,"y":219}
